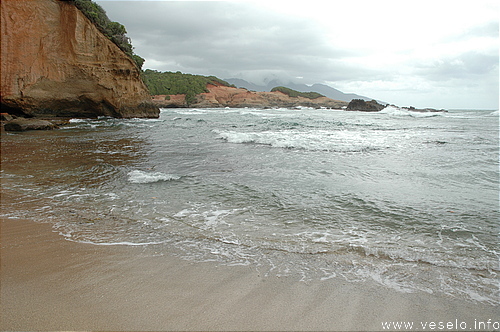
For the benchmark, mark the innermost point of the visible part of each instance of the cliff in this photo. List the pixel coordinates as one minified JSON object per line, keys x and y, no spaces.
{"x":56,"y":63}
{"x":224,"y":96}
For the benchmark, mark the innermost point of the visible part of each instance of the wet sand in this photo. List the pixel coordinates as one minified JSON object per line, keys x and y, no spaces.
{"x":49,"y":283}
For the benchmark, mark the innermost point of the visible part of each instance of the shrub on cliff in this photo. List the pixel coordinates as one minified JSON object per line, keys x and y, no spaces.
{"x":293,"y":93}
{"x":94,"y":12}
{"x":170,"y":83}
{"x":115,"y":31}
{"x":139,"y":61}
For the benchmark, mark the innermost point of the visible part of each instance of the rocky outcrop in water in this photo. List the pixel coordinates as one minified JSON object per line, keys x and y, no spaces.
{"x":224,"y":96}
{"x":365,"y":106}
{"x":56,"y":63}
{"x":423,"y":110}
{"x":23,"y":124}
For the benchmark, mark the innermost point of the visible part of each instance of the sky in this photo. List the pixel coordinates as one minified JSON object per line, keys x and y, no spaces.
{"x":439,"y":53}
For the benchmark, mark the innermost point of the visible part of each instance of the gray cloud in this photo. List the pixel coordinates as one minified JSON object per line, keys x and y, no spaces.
{"x":224,"y":38}
{"x":487,"y":29}
{"x":469,"y":65}
{"x":244,"y":40}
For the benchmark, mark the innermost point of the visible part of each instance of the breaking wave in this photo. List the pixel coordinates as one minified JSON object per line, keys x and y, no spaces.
{"x":340,"y":141}
{"x":397,"y":111}
{"x":137,"y":176}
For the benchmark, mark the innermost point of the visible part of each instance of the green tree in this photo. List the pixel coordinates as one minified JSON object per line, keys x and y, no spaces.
{"x":139,"y":61}
{"x":169,"y":83}
{"x":115,"y":28}
{"x":294,"y":93}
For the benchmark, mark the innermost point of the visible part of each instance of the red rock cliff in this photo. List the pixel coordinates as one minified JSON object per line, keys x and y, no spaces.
{"x":55,"y":62}
{"x":223,"y":96}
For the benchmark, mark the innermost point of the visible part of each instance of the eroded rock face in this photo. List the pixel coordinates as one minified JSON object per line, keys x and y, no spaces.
{"x":56,"y":63}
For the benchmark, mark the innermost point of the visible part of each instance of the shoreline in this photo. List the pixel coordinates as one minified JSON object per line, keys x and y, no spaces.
{"x":49,"y":283}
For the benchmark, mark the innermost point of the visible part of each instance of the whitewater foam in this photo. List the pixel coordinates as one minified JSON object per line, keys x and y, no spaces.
{"x":137,"y":176}
{"x":122,"y":243}
{"x":78,"y":120}
{"x":254,"y":194}
{"x":319,"y":140}
{"x":397,"y":111}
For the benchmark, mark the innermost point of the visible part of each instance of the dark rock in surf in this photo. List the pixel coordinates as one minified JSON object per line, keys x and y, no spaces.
{"x":423,"y":110}
{"x":6,"y":117}
{"x":22,"y":124}
{"x":365,"y":106}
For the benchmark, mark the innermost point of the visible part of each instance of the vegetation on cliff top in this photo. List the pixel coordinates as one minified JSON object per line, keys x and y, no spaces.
{"x":115,"y":31}
{"x":169,"y":83}
{"x":158,"y":83}
{"x":293,"y":93}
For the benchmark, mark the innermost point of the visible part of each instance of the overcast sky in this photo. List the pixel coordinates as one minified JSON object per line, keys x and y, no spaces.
{"x":441,"y":54}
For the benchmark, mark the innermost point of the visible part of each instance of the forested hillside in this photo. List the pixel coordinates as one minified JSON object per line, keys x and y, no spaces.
{"x":293,"y":93}
{"x":170,"y":83}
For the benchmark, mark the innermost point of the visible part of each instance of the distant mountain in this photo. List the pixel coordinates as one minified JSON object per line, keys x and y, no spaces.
{"x":239,"y":83}
{"x":323,"y":89}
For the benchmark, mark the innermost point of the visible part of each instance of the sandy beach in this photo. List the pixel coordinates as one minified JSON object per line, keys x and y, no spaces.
{"x":49,"y":283}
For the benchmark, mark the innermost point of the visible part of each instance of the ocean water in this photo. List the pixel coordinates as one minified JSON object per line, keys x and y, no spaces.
{"x":409,"y":200}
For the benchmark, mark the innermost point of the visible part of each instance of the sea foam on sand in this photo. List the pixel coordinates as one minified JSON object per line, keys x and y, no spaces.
{"x":87,"y":287}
